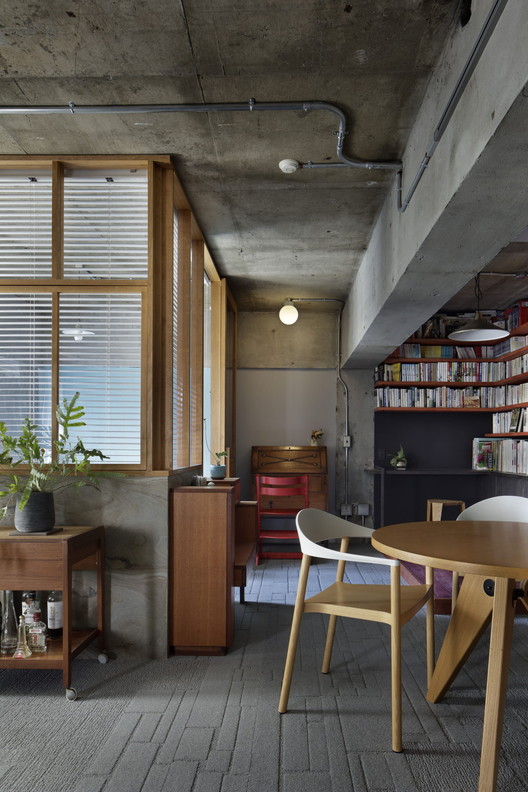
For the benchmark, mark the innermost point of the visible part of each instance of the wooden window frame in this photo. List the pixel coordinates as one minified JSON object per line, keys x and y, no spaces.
{"x":165,"y":196}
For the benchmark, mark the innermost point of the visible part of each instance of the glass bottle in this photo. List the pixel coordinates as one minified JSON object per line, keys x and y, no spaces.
{"x":55,"y":614}
{"x":8,"y":636}
{"x":22,"y":649}
{"x":30,"y":605}
{"x":36,"y":634}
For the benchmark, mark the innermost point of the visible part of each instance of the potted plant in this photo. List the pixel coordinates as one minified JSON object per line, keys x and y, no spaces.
{"x":218,"y":471}
{"x":399,"y":460}
{"x":48,"y":469}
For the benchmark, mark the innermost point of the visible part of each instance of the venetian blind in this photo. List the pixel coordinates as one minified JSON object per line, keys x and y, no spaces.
{"x":177,"y":384}
{"x":25,"y":225}
{"x":25,"y":362}
{"x":105,"y":224}
{"x":100,"y":357}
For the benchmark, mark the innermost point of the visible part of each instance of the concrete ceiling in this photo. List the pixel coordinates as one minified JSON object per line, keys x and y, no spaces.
{"x":271,"y":234}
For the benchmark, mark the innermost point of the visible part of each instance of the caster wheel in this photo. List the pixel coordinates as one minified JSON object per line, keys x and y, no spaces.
{"x":71,"y":694}
{"x":102,"y":658}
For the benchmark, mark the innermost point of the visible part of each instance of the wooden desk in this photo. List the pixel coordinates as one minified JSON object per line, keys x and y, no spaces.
{"x":479,"y":550}
{"x":291,"y":461}
{"x":30,"y":561}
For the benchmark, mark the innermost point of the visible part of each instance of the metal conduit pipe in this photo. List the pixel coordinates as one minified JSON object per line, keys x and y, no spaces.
{"x":216,"y":107}
{"x":470,"y":66}
{"x":252,"y":105}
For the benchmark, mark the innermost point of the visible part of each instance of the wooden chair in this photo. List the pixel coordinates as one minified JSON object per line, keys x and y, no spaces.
{"x":391,"y":604}
{"x":510,"y":508}
{"x":279,"y":497}
{"x":434,"y":511}
{"x":435,"y":507}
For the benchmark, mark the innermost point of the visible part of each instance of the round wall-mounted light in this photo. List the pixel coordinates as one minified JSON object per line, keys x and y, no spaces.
{"x":288,"y":314}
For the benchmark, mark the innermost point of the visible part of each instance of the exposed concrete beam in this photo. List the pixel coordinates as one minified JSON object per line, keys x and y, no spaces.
{"x":470,"y":203}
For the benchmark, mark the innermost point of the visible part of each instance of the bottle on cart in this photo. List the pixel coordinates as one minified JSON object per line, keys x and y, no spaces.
{"x":8,"y":635}
{"x":55,"y":614}
{"x":22,"y":649}
{"x":36,"y":634}
{"x":30,"y":605}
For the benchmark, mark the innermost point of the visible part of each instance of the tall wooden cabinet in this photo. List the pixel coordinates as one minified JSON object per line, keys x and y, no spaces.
{"x":201,"y":569}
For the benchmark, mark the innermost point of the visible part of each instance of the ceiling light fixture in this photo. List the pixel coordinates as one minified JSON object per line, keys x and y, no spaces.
{"x":78,"y":332}
{"x":478,"y":330}
{"x":288,"y":314}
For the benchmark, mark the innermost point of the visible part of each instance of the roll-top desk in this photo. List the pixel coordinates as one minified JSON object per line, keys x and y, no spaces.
{"x":291,"y":461}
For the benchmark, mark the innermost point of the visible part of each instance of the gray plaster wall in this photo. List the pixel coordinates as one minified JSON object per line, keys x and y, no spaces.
{"x":287,"y":386}
{"x":135,"y":513}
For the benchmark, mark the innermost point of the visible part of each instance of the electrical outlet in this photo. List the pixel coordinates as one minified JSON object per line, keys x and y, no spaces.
{"x":346,"y":441}
{"x":362,"y":509}
{"x":346,"y":510}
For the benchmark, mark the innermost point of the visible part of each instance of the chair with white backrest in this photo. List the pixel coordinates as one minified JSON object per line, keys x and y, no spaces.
{"x":391,"y":604}
{"x":509,"y":508}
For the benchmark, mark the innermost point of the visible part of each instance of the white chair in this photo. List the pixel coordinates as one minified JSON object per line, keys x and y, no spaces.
{"x":510,"y":508}
{"x":391,"y":604}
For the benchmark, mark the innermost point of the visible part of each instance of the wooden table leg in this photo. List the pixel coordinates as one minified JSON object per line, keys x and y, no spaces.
{"x":498,"y":667}
{"x":469,"y":620}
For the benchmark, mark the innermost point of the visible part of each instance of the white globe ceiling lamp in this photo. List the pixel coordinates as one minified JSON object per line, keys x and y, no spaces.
{"x":288,"y":314}
{"x":478,"y":330}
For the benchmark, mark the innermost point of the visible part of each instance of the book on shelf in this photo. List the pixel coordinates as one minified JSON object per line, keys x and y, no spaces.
{"x":470,"y":397}
{"x":516,"y":417}
{"x":483,"y":453}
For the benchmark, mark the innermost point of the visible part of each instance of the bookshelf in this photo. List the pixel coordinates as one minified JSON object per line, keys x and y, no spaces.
{"x":436,"y":399}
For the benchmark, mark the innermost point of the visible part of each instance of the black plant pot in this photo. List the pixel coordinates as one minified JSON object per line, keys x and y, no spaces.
{"x":37,"y":515}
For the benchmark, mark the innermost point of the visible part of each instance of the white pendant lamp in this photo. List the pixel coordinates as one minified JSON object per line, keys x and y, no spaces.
{"x":478,"y":330}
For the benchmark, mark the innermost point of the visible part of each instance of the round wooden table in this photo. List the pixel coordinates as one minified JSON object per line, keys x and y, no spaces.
{"x":492,"y":556}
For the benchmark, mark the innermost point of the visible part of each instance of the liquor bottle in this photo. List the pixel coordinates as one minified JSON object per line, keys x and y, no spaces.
{"x":30,"y":605}
{"x":55,"y":614}
{"x":22,"y":649}
{"x":36,"y":634}
{"x":8,"y":636}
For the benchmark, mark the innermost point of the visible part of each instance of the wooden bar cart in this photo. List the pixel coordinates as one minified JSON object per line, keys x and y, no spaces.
{"x":46,"y":562}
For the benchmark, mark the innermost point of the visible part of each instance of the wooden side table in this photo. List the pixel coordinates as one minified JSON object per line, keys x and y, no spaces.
{"x":30,"y":561}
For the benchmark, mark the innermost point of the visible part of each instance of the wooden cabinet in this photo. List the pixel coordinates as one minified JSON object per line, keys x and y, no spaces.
{"x":290,"y":461}
{"x":30,"y":561}
{"x":201,"y":569}
{"x":213,"y":538}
